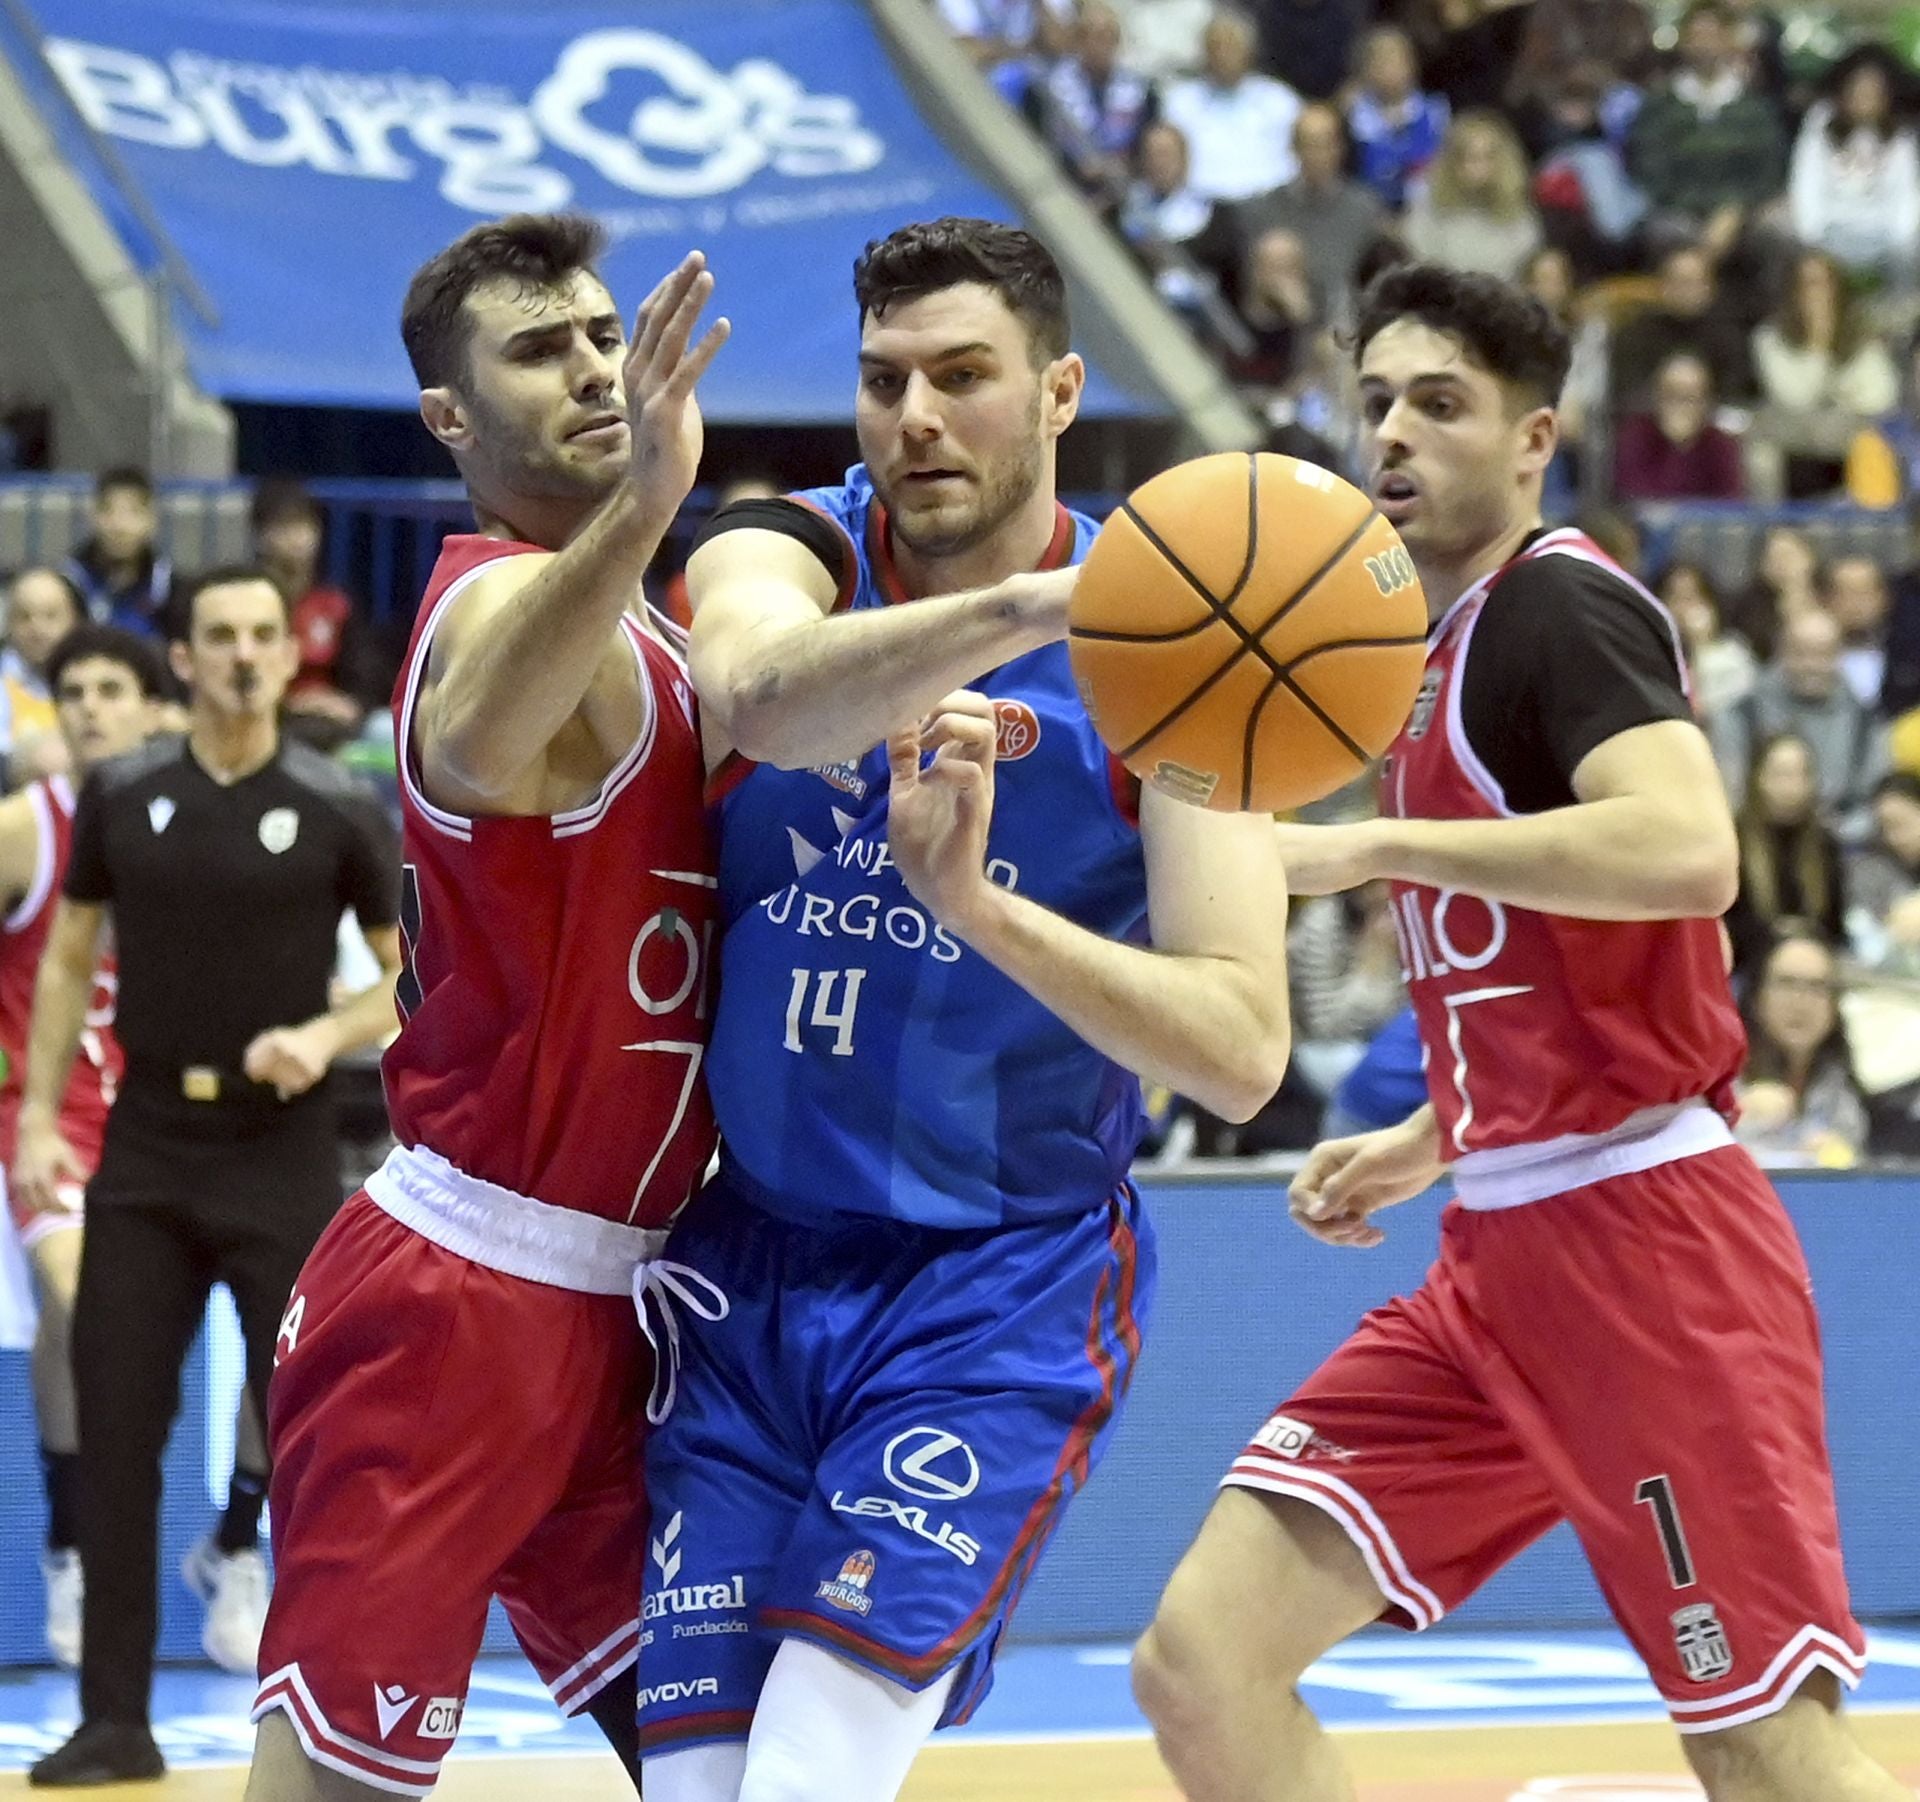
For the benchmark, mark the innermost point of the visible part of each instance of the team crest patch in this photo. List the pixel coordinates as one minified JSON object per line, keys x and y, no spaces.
{"x":1019,"y":730}
{"x":1705,"y":1655}
{"x":279,"y":827}
{"x":1423,"y":704}
{"x":848,"y":1591}
{"x":845,"y":777}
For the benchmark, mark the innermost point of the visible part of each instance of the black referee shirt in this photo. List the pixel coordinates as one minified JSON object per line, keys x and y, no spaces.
{"x":226,"y":900}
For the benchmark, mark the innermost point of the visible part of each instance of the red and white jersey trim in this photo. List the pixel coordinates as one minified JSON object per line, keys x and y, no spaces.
{"x":509,"y":1232}
{"x":565,"y":825}
{"x":573,"y":1689}
{"x":287,"y":1690}
{"x":1269,"y":1471}
{"x":1811,"y":1649}
{"x":1511,"y":1176}
{"x":41,"y":797}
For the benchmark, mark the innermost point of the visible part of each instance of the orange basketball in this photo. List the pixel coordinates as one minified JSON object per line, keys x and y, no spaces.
{"x":1248,"y":633}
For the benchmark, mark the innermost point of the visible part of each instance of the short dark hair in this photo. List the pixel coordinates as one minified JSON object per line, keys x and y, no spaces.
{"x":924,"y":258}
{"x":123,"y":477}
{"x":227,"y":575}
{"x":1903,"y":783}
{"x":281,"y":497}
{"x":1501,"y":327}
{"x":116,"y":645}
{"x":536,"y":251}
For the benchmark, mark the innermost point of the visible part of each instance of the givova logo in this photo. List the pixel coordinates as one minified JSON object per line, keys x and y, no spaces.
{"x":642,"y":110}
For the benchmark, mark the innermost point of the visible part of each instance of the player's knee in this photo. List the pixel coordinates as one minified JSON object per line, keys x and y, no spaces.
{"x":779,"y":1774}
{"x":1173,"y":1677}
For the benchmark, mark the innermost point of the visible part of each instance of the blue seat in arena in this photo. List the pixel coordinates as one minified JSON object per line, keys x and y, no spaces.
{"x":1723,"y":537}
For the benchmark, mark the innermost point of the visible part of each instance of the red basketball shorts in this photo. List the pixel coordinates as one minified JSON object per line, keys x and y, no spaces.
{"x":1639,"y":1356}
{"x":443,"y":1433}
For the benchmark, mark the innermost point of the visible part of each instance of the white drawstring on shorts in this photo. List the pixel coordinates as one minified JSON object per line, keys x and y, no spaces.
{"x":657,"y":1284}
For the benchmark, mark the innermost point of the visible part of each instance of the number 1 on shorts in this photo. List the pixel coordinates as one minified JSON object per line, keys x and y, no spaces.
{"x":1657,"y":1494}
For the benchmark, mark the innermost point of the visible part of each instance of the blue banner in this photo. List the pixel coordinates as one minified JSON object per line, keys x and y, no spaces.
{"x":307,"y":157}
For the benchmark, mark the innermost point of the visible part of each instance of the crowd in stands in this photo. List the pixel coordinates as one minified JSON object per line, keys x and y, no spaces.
{"x":1729,"y":228}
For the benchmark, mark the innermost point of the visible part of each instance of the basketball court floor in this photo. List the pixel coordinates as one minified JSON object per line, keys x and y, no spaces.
{"x":1448,"y":1717}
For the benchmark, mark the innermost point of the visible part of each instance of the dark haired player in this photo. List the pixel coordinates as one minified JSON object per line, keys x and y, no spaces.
{"x":457,"y":1401}
{"x":922,"y":1059}
{"x":1619,"y":1330}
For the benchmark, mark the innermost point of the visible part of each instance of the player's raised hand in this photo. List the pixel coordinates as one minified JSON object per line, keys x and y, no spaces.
{"x":1345,"y":1181}
{"x":663,"y":367}
{"x":937,"y":816}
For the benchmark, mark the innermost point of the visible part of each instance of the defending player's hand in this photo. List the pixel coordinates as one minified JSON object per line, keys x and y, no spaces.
{"x":291,"y":1058}
{"x":43,"y":1164}
{"x":1345,"y":1181}
{"x":660,"y":375}
{"x":1328,"y":860}
{"x":938,"y":815}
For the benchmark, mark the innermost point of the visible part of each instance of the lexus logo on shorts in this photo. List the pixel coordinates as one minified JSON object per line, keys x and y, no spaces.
{"x":931,"y":1462}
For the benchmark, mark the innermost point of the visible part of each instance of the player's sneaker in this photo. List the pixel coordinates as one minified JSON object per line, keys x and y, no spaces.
{"x":234,"y":1587}
{"x":65,"y":1587}
{"x":100,"y":1752}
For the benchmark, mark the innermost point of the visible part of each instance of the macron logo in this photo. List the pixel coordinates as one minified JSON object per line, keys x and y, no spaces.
{"x":664,"y":1554}
{"x":391,"y":1705}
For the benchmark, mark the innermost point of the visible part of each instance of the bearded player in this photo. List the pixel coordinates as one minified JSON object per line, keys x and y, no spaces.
{"x":462,"y":1374}
{"x":1619,"y":1330}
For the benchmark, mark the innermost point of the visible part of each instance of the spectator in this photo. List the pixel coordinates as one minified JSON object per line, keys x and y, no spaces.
{"x":1186,"y":243}
{"x":1803,"y":692}
{"x":1855,"y":183}
{"x":1564,"y":35}
{"x":1789,"y":862}
{"x":1345,"y":965}
{"x":1588,"y":201}
{"x":1387,"y":1085}
{"x":1279,"y":310}
{"x":1239,"y":124}
{"x":1691,"y":316}
{"x":1800,"y":1103}
{"x":42,"y":608}
{"x":1163,"y":36}
{"x":1824,"y":376}
{"x":1721,"y":662}
{"x":1333,"y":216}
{"x":1786,"y":583}
{"x":1471,"y":211}
{"x":1549,"y":278}
{"x":122,"y":577}
{"x":1309,"y":43}
{"x":335,"y":686}
{"x":1856,"y":596}
{"x":1093,"y":110}
{"x":1708,"y":148}
{"x":1676,"y":452}
{"x":1396,"y":129}
{"x":1900,"y":693}
{"x":1468,"y":48}
{"x":1001,"y":35}
{"x":1883,"y":884}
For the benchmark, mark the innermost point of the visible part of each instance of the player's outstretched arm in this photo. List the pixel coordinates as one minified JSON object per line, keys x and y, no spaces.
{"x":530,"y":646}
{"x":1203,"y":1010}
{"x":1650,"y":837}
{"x":785,"y":684}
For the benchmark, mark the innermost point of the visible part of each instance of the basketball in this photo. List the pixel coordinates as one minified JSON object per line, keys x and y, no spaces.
{"x":1248,"y":632}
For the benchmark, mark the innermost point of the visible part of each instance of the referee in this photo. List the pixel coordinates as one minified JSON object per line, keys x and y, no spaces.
{"x":225,"y":860}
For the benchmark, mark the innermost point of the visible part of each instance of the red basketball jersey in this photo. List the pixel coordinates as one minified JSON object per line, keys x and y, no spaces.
{"x":1535,"y":1026}
{"x":554,"y":1000}
{"x":23,"y":939}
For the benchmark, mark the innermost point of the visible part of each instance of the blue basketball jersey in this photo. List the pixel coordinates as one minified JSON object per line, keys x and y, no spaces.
{"x":863,"y":1060}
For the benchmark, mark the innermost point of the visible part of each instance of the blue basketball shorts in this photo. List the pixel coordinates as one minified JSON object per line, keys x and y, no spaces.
{"x":872,"y":1449}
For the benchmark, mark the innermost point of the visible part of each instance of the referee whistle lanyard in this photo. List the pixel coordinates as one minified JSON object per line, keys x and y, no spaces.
{"x":657,"y":1284}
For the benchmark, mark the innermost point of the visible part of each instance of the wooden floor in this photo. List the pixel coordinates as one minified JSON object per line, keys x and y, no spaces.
{"x":1457,"y":1765}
